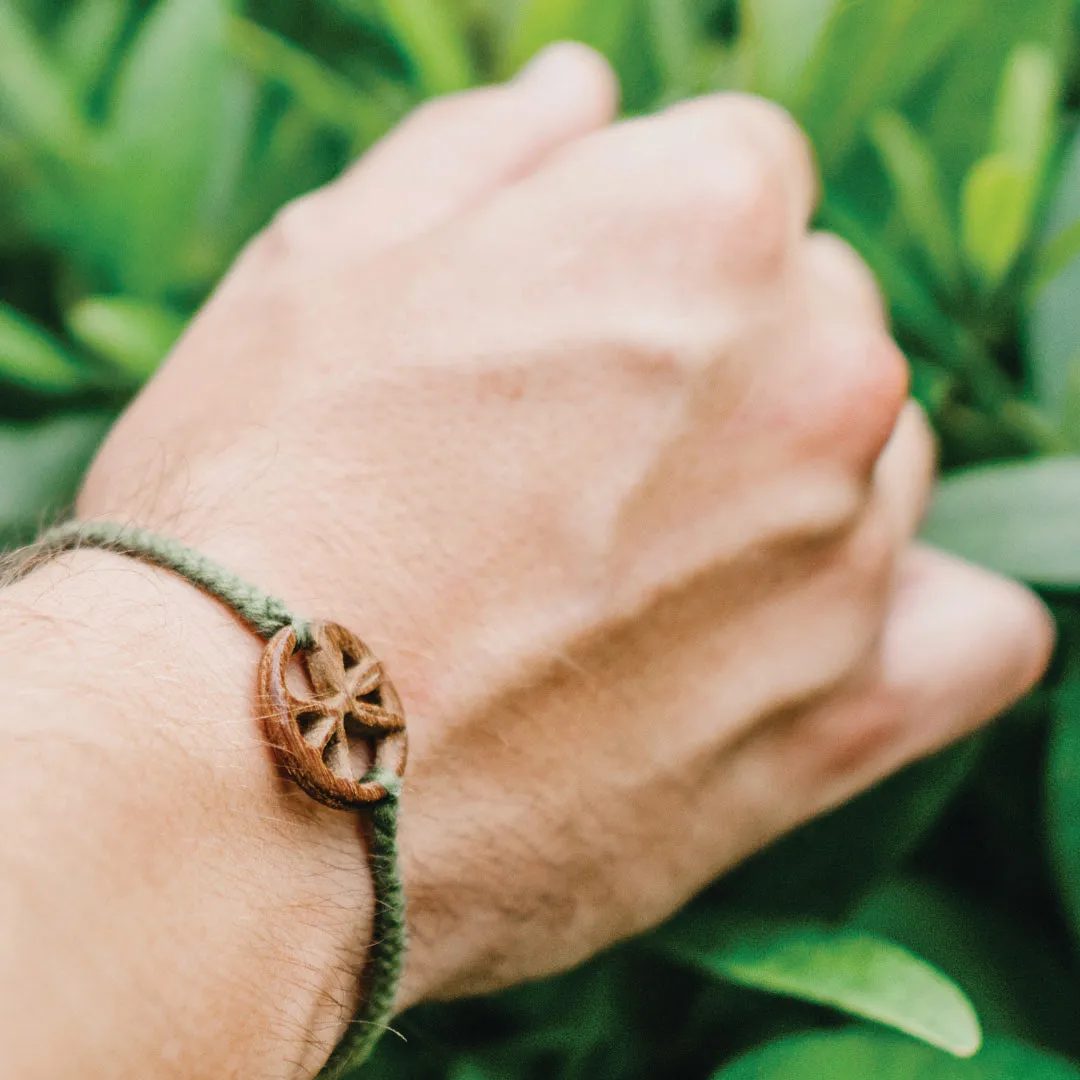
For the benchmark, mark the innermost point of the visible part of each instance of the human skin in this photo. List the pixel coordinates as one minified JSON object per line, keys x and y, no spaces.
{"x":607,"y":457}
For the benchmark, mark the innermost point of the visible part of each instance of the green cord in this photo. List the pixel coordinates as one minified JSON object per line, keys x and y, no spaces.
{"x":266,"y":615}
{"x":388,"y":937}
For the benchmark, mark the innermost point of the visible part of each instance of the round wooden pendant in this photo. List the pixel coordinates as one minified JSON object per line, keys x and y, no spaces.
{"x":352,"y":721}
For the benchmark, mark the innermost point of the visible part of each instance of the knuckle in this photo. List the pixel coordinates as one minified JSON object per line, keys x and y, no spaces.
{"x":771,"y":124}
{"x":709,"y":171}
{"x":749,"y":199}
{"x":882,"y":392}
{"x":864,"y":386}
{"x":759,"y":147}
{"x":298,"y":226}
{"x":841,"y":277}
{"x":734,"y":200}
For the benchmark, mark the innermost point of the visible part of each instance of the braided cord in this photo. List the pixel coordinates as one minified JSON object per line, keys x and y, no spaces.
{"x":386,"y":956}
{"x":266,"y":615}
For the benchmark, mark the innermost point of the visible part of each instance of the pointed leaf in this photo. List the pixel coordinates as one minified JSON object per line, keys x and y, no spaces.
{"x":538,"y":23}
{"x":434,"y":42}
{"x":780,"y":38}
{"x":1054,"y":318}
{"x":1006,"y":960}
{"x":996,"y":205}
{"x":329,"y":97}
{"x":35,"y":94}
{"x":162,"y":126}
{"x":1000,"y":191}
{"x":869,"y":55}
{"x":88,"y":36}
{"x":1027,"y":105}
{"x":132,"y":335}
{"x":964,"y":101}
{"x":31,"y":357}
{"x":674,"y":28}
{"x":918,"y":188}
{"x":542,"y":22}
{"x":849,"y":970}
{"x":1021,"y":518}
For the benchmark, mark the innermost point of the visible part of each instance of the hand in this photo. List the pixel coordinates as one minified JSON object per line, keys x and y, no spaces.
{"x":607,"y":457}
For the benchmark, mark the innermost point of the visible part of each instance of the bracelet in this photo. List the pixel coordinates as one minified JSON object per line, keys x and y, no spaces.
{"x":354,"y":706}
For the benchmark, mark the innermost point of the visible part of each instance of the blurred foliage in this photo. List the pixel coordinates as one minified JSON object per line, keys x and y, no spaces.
{"x":143,"y":141}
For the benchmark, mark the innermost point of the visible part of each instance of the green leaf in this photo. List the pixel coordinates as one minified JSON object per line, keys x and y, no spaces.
{"x":871,"y":1055}
{"x":1027,"y":106}
{"x":434,"y":42}
{"x":35,"y":94}
{"x":868,"y":57}
{"x":1054,"y":316}
{"x":31,"y":357}
{"x":850,"y":970}
{"x":87,"y":37}
{"x":226,"y":204}
{"x":1006,"y":960}
{"x":996,"y":205}
{"x":674,"y":29}
{"x":936,"y":33}
{"x":1021,"y":518}
{"x":40,"y":467}
{"x":538,"y":23}
{"x":1000,"y":191}
{"x":162,"y":126}
{"x":326,"y":95}
{"x":918,"y":188}
{"x":961,"y":102}
{"x":132,"y":335}
{"x":780,"y":38}
{"x":541,"y":22}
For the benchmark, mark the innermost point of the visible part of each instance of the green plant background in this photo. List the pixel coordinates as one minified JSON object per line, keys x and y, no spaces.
{"x":142,"y":142}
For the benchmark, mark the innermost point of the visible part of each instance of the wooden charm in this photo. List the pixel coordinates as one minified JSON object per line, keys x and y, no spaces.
{"x":352,"y":722}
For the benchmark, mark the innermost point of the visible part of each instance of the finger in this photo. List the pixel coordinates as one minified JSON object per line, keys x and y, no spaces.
{"x":455,"y":150}
{"x":843,"y":282}
{"x":904,"y":474}
{"x":960,"y":645}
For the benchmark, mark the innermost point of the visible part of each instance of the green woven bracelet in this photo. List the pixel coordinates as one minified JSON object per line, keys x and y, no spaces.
{"x":354,"y":715}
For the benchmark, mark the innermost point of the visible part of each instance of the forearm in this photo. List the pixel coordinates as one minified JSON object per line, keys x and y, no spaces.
{"x":171,"y":908}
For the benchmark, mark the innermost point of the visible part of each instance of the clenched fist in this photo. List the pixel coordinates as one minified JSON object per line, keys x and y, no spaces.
{"x":608,"y":458}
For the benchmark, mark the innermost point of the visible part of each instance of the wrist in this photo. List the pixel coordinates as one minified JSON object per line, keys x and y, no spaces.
{"x":245,"y":894}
